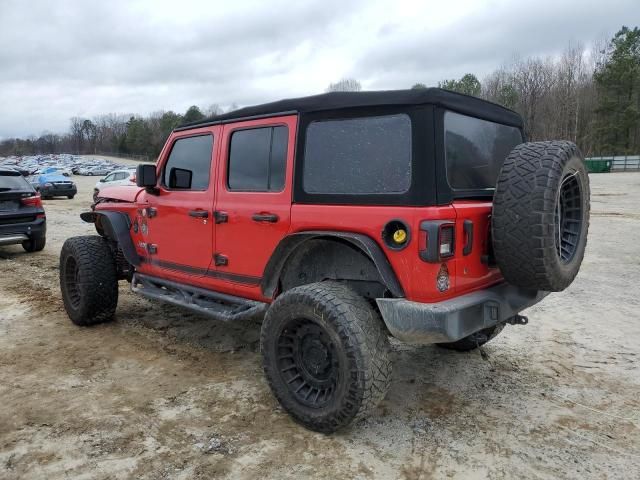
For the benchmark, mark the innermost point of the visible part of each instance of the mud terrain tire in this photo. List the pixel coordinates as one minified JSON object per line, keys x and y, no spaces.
{"x":540,"y":215}
{"x":326,"y":355}
{"x":88,"y":280}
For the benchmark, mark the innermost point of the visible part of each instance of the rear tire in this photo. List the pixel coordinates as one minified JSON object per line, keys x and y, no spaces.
{"x":326,"y":355}
{"x":88,"y":280}
{"x":540,"y":215}
{"x":474,"y":340}
{"x":35,"y":243}
{"x":70,"y":197}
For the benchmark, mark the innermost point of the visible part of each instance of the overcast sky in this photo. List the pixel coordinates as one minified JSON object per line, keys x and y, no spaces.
{"x":60,"y":59}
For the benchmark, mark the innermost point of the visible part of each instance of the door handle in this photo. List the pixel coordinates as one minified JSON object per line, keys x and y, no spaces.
{"x":265,"y":217}
{"x":199,"y":213}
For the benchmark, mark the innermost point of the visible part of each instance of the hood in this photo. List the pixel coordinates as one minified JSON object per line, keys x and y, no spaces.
{"x":123,"y":193}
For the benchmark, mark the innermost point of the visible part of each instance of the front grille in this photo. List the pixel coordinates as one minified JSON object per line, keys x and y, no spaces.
{"x":20,"y":219}
{"x":62,"y":185}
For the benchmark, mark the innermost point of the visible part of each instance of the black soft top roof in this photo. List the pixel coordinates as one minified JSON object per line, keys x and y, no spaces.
{"x":369,"y":100}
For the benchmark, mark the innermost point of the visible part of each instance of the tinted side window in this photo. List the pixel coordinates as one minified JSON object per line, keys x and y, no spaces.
{"x":475,"y":150}
{"x":257,"y":159}
{"x":365,"y":155}
{"x":192,"y":153}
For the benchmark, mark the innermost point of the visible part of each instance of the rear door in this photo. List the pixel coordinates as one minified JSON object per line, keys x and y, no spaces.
{"x":474,"y":151}
{"x":253,"y":201}
{"x":176,"y":224}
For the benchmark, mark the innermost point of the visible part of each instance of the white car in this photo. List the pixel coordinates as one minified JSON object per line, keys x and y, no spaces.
{"x":117,"y":177}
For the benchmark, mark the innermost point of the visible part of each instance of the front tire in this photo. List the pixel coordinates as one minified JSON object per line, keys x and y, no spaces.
{"x":326,"y":355}
{"x":88,"y":280}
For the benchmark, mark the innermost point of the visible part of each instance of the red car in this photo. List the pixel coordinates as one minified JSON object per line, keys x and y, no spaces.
{"x":341,"y":219}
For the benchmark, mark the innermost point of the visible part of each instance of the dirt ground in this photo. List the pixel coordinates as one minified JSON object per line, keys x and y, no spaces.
{"x":161,"y":393}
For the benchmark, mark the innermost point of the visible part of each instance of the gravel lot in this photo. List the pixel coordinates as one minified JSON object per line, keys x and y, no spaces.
{"x":161,"y":393}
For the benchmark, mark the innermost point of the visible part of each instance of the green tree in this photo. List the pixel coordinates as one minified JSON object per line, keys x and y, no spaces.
{"x":617,"y":80}
{"x":418,"y":86}
{"x":468,"y":84}
{"x":193,"y":114}
{"x":138,"y":136}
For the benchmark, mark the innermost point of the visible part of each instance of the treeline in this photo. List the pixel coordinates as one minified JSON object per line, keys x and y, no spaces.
{"x":588,"y":95}
{"x":110,"y":133}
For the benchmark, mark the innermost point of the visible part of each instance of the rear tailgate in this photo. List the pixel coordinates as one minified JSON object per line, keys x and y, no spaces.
{"x":473,"y":242}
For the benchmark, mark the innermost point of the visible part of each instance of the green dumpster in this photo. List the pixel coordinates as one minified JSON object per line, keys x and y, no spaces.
{"x":598,"y":166}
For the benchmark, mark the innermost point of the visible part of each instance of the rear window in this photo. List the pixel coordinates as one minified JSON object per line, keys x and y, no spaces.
{"x":475,"y":150}
{"x":365,"y":155}
{"x":13,"y":181}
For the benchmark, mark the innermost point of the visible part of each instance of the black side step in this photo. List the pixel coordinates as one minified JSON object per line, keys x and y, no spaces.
{"x":213,"y":304}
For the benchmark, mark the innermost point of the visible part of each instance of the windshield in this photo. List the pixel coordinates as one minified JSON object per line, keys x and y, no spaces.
{"x":475,"y":150}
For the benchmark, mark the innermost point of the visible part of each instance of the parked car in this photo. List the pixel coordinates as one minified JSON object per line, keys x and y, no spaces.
{"x":61,"y":170}
{"x":55,"y":185}
{"x":341,"y":219}
{"x":96,"y":170}
{"x":117,"y":177}
{"x":22,"y":217}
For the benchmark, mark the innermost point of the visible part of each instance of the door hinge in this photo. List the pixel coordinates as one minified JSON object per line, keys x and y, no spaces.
{"x":220,"y":217}
{"x":220,"y":260}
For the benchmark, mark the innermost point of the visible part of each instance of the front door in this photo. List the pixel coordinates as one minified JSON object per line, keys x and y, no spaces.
{"x":176,"y":223}
{"x":253,"y":202}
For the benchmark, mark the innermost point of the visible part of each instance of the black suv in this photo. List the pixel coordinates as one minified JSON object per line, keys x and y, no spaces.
{"x":22,"y":218}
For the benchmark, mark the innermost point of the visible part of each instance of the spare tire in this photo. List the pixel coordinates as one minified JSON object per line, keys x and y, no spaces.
{"x":540,"y":215}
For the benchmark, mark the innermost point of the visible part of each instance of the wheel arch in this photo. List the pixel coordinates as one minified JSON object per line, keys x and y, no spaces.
{"x":294,"y":245}
{"x":114,"y":226}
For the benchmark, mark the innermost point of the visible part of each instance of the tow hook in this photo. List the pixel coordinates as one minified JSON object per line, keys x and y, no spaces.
{"x":518,"y":320}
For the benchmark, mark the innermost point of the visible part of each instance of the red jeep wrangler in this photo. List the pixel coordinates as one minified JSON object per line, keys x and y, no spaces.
{"x":341,"y":219}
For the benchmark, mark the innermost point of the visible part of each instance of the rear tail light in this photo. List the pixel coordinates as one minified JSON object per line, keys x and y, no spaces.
{"x":446,"y":245}
{"x":436,"y":240}
{"x":33,"y":201}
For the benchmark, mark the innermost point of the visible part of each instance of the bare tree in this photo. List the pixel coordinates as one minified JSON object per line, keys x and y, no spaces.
{"x":213,"y":110}
{"x":533,"y":78}
{"x":345,"y":85}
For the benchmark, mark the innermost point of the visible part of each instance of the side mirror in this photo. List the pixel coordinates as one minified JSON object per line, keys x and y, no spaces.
{"x":180,"y":178}
{"x":146,"y":176}
{"x":102,"y":180}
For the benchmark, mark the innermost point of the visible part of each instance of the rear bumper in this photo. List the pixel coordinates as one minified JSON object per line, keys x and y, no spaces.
{"x":58,"y":192}
{"x":15,"y":232}
{"x":451,"y":320}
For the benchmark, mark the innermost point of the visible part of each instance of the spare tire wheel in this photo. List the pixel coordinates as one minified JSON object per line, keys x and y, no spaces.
{"x":540,"y":215}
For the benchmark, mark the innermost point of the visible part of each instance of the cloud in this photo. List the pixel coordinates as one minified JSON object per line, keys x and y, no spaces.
{"x":74,"y":58}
